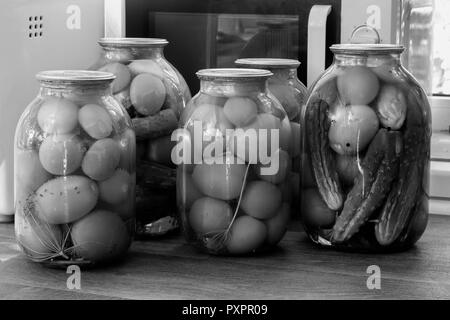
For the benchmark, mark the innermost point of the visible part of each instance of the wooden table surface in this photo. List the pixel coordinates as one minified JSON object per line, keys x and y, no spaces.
{"x":170,"y":269}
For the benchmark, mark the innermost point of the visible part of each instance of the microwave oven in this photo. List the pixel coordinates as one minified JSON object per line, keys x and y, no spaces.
{"x":42,"y":35}
{"x":213,"y":33}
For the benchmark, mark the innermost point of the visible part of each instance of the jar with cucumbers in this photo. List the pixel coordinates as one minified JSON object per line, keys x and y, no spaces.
{"x":292,"y":94}
{"x":234,"y":161}
{"x":74,"y":172}
{"x":367,"y":129}
{"x":154,"y":93}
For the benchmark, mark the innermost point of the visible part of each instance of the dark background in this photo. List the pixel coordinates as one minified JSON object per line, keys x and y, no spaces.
{"x":139,"y":11}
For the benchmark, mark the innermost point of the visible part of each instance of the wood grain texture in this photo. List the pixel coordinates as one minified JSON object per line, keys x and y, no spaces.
{"x":170,"y":269}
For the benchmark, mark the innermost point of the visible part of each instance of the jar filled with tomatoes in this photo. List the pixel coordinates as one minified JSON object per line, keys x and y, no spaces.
{"x":154,"y":93}
{"x":367,"y":149}
{"x":234,"y":158}
{"x":292,"y":94}
{"x":74,"y":172}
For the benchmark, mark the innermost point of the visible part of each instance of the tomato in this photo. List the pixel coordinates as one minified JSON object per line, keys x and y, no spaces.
{"x":352,"y":128}
{"x":116,"y":189}
{"x":61,"y":154}
{"x":247,"y":234}
{"x":96,"y":121}
{"x":314,"y":210}
{"x":66,"y":199}
{"x":214,"y":125}
{"x":208,"y":215}
{"x":221,"y":181}
{"x":38,"y":239}
{"x":100,"y":236}
{"x":277,"y":226}
{"x":246,"y":143}
{"x":102,"y":159}
{"x":187,"y":191}
{"x":58,"y":115}
{"x":357,"y":85}
{"x":281,"y":161}
{"x":122,"y":73}
{"x":31,"y":174}
{"x":261,"y":199}
{"x":146,"y":66}
{"x":347,"y":168}
{"x":147,"y":94}
{"x":240,"y":110}
{"x":391,"y":107}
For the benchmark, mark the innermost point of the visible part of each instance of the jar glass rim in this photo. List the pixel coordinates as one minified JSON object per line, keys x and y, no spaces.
{"x":269,"y":63}
{"x":233,"y":74}
{"x":75,"y":77}
{"x":132,"y":42}
{"x":375,"y":48}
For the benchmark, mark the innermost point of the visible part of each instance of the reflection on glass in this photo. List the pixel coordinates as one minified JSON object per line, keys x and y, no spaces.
{"x":441,"y":47}
{"x":417,"y":36}
{"x":244,"y":36}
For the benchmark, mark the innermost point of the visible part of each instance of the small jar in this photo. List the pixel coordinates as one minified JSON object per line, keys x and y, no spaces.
{"x":75,"y":174}
{"x":154,"y":94}
{"x":292,"y":94}
{"x":234,"y":192}
{"x":367,"y":149}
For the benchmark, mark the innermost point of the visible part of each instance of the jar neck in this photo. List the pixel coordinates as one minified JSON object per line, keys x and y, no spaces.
{"x":370,"y":60}
{"x":219,"y":87}
{"x":135,"y":52}
{"x":103,"y":89}
{"x":284,"y":73}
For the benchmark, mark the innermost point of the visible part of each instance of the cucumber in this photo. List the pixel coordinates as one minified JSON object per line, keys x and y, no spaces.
{"x":379,"y":169}
{"x":317,"y":126}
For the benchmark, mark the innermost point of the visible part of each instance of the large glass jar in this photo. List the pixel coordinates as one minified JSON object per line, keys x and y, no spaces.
{"x":233,"y":180}
{"x":154,"y":94}
{"x":292,"y":93}
{"x":75,"y":172}
{"x":367,"y":144}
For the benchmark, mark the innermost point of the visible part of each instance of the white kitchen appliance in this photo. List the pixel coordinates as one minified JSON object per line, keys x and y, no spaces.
{"x":41,"y":35}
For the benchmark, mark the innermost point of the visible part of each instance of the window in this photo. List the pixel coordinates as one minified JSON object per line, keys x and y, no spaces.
{"x":441,"y":48}
{"x":426,"y":35}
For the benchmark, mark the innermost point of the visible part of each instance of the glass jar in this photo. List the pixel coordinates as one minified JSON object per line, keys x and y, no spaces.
{"x":367,"y":149}
{"x":74,"y":155}
{"x":233,"y":149}
{"x":154,"y":94}
{"x":292,"y":94}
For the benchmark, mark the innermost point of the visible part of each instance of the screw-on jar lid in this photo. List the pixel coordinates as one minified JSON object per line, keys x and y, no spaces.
{"x":268,"y":63}
{"x":75,"y":77}
{"x":373,"y":48}
{"x":233,"y":74}
{"x":132,"y":42}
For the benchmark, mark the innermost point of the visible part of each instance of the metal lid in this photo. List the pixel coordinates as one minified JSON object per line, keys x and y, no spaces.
{"x":233,"y":74}
{"x":75,"y":77}
{"x":268,"y":63}
{"x":373,"y":48}
{"x":132,"y":42}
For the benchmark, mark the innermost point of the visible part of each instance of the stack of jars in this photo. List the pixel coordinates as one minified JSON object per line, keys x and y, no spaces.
{"x":227,"y":161}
